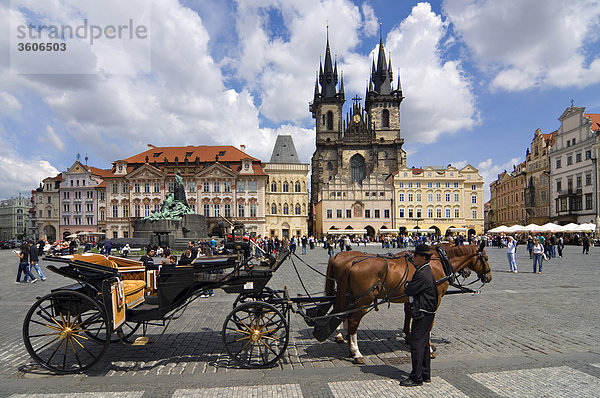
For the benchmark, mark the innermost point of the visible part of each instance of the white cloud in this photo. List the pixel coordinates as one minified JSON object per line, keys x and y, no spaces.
{"x":53,"y":138}
{"x":8,"y":103}
{"x":536,"y":43}
{"x":439,"y":97}
{"x":489,"y":171}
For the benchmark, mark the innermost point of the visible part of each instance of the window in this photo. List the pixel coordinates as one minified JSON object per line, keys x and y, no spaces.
{"x":89,"y":207}
{"x":558,"y":185}
{"x":253,"y":210}
{"x":447,"y":196}
{"x":588,"y":201}
{"x":101,"y":215}
{"x":192,"y":186}
{"x":447,"y":213}
{"x":400,"y":184}
{"x":401,"y":197}
{"x":456,"y":213}
{"x":273,"y":186}
{"x":338,"y":213}
{"x":329,"y":120}
{"x":438,"y":213}
{"x":115,"y":187}
{"x":410,"y":197}
{"x":241,"y":210}
{"x":146,"y":187}
{"x":447,"y":185}
{"x":171,"y":186}
{"x":286,"y":209}
{"x":138,"y":211}
{"x":418,"y":184}
{"x":578,"y":157}
{"x":66,"y":207}
{"x":348,"y":213}
{"x":297,"y":209}
{"x":227,"y":210}
{"x":588,"y":154}
{"x":227,"y":186}
{"x":41,"y":213}
{"x":418,"y":197}
{"x":157,"y":187}
{"x":558,"y":163}
{"x":115,"y":234}
{"x":588,"y":179}
{"x":125,"y":210}
{"x":157,"y":207}
{"x":285,"y":187}
{"x":217,"y":210}
{"x":438,"y":197}
{"x":49,"y":199}
{"x":456,"y":197}
{"x":297,"y":186}
{"x":136,"y":187}
{"x":385,"y":118}
{"x":241,"y":187}
{"x":578,"y":182}
{"x":115,"y":211}
{"x":410,"y":213}
{"x":206,"y":210}
{"x":376,"y":214}
{"x":146,"y":210}
{"x":368,"y":213}
{"x":216,"y":186}
{"x":206,"y":186}
{"x":474,"y":199}
{"x":252,"y":186}
{"x":410,"y":184}
{"x":474,"y":214}
{"x":329,"y":213}
{"x":89,"y":220}
{"x":430,"y":213}
{"x":569,"y":160}
{"x":430,"y":197}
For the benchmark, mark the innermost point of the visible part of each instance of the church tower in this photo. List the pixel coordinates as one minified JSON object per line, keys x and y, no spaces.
{"x":326,"y":108}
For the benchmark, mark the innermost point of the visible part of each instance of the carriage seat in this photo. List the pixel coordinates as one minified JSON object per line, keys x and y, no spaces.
{"x":132,"y":272}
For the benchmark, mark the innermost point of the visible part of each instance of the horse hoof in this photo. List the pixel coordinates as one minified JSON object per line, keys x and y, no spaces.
{"x":339,"y":339}
{"x":359,"y":361}
{"x":432,"y":355}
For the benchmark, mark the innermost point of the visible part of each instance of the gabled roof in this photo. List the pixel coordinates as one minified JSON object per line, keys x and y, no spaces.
{"x":205,"y":153}
{"x":595,"y":118}
{"x":550,"y":138}
{"x":102,"y":173}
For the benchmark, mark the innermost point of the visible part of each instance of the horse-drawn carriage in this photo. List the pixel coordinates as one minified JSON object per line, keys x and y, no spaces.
{"x":70,"y":329}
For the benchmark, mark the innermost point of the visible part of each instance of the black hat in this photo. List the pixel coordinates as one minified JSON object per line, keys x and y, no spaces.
{"x":423,"y":250}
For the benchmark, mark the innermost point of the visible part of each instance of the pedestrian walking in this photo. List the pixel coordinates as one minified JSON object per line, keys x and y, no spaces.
{"x":530,"y":246}
{"x":586,"y":244}
{"x":560,"y":246}
{"x":538,"y":256}
{"x":304,"y":242}
{"x":23,"y":255}
{"x":34,"y":260}
{"x":423,"y":296}
{"x":511,"y":249}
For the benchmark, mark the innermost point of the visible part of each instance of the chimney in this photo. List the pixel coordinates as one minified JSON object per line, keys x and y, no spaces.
{"x":243,"y":147}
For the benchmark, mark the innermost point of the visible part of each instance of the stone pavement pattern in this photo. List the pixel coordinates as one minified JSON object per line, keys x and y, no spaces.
{"x":520,"y":325}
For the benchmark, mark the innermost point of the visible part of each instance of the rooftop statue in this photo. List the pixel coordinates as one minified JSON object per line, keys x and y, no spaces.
{"x":175,"y":205}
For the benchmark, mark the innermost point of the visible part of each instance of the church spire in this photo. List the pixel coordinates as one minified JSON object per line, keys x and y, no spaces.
{"x":328,"y":78}
{"x":382,"y":76}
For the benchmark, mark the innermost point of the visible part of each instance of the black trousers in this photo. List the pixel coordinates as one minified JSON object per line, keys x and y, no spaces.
{"x":419,"y":348}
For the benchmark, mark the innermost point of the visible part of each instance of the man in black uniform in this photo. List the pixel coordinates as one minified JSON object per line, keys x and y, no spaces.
{"x":423,"y":295}
{"x":148,"y":259}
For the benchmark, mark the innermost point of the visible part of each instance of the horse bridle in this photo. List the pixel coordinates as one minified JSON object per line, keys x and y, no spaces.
{"x":483,"y":262}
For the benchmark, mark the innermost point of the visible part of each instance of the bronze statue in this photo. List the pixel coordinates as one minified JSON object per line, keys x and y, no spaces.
{"x":175,"y":205}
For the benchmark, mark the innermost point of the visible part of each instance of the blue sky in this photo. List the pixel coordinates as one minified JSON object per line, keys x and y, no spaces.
{"x":478,"y":76}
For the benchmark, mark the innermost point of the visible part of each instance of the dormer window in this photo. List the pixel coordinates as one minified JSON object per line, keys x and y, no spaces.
{"x":188,"y":154}
{"x":157,"y":154}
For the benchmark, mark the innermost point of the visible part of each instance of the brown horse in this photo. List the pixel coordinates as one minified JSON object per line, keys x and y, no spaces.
{"x":367,"y":277}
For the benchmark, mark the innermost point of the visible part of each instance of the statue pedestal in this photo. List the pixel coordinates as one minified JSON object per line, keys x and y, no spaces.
{"x":166,"y":233}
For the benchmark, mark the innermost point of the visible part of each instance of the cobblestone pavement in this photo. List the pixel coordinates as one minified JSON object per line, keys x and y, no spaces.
{"x":526,"y":335}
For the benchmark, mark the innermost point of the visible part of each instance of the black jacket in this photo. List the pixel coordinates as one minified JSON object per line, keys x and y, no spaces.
{"x":423,"y":288}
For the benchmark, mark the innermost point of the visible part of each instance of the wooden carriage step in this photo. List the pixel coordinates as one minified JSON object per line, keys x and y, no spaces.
{"x":142,"y":340}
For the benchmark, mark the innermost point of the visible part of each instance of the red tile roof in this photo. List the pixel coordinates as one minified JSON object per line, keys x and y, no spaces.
{"x":595,"y":117}
{"x":550,"y":138}
{"x":205,"y":153}
{"x":100,"y":172}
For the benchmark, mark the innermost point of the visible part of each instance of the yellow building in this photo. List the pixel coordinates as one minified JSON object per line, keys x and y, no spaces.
{"x":287,"y":201}
{"x":443,"y":199}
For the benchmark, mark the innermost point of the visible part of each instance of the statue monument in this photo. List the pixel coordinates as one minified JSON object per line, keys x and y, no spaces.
{"x":174,"y":224}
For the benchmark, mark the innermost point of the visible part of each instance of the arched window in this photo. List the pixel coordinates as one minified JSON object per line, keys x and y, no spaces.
{"x":273,"y":186}
{"x":329,"y":166}
{"x":329,"y":120}
{"x":286,"y":187}
{"x":297,"y":186}
{"x":357,"y":168}
{"x":286,"y":209}
{"x":273,"y":208}
{"x":385,"y":118}
{"x":297,"y":210}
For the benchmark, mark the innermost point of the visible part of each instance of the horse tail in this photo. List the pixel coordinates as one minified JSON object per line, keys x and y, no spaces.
{"x":342,"y":284}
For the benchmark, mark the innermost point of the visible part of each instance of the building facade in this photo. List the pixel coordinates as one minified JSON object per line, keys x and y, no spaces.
{"x":14,"y":214}
{"x":287,"y":200}
{"x":573,"y":169}
{"x":345,"y":205}
{"x":508,"y":198}
{"x":46,"y":208}
{"x":219,"y":181}
{"x":537,"y":167}
{"x":363,"y":145}
{"x":438,"y":198}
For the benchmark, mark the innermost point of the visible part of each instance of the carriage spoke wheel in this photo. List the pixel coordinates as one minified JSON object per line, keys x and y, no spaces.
{"x":266,"y":295}
{"x":255,"y":334}
{"x":129,"y":329}
{"x":57,"y":329}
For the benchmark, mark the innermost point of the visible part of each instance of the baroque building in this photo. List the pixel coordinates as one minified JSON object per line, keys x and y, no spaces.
{"x":363,"y":145}
{"x":442,"y":199}
{"x":14,"y":214}
{"x":537,"y":166}
{"x":573,"y":169}
{"x":508,"y":198}
{"x":287,"y":202}
{"x":46,"y":207}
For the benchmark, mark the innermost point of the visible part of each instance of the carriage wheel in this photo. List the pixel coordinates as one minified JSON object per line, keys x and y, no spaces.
{"x":57,"y":329}
{"x":266,"y":295}
{"x":129,"y":329}
{"x":255,"y":334}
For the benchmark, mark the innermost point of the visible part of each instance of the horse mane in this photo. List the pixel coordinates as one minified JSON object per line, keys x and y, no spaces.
{"x":460,"y":250}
